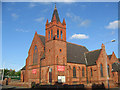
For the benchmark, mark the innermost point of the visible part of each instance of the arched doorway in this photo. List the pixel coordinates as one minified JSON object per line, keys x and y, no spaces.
{"x":49,"y":75}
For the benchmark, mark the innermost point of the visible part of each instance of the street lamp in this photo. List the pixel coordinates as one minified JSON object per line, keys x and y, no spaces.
{"x":113,"y":40}
{"x":107,"y":64}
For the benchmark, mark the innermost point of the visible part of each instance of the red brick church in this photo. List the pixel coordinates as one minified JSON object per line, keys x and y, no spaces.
{"x":51,"y":58}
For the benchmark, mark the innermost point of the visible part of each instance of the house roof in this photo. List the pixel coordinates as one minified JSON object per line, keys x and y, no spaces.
{"x":115,"y":67}
{"x":56,"y":15}
{"x":92,"y":56}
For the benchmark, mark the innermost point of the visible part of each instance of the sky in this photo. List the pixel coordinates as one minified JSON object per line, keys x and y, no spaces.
{"x":87,"y":23}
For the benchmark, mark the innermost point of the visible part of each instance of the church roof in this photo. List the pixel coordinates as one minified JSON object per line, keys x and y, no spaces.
{"x":109,"y":56}
{"x":23,"y":68}
{"x":56,"y":15}
{"x":42,"y":39}
{"x":92,"y":56}
{"x":75,"y":53}
{"x":115,"y":67}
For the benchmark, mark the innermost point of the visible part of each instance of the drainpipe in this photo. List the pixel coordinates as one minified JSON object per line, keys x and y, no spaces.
{"x":40,"y":71}
{"x":86,"y":67}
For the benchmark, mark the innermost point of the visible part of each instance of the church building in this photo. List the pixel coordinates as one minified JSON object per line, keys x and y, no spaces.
{"x":52,"y":59}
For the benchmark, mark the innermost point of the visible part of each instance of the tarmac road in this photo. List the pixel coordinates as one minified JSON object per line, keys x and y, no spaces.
{"x":17,"y":87}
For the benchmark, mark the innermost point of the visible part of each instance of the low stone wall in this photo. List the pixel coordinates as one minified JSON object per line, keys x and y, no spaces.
{"x":20,"y":84}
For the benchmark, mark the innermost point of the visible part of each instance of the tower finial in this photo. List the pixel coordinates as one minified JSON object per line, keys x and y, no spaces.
{"x":55,"y":6}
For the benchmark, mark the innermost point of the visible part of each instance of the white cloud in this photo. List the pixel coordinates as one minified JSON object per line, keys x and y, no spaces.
{"x":14,"y":15}
{"x":21,"y":30}
{"x":40,"y":19}
{"x":81,"y":22}
{"x":85,"y":23}
{"x":113,"y":25}
{"x":73,"y":17}
{"x":32,"y":4}
{"x":79,"y":36}
{"x":68,"y":15}
{"x":113,"y":32}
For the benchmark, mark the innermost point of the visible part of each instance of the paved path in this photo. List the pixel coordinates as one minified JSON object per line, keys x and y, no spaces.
{"x":8,"y":87}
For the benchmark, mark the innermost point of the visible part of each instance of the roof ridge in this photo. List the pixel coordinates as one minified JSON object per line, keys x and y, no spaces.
{"x":41,"y":35}
{"x":76,"y":44}
{"x":92,"y":51}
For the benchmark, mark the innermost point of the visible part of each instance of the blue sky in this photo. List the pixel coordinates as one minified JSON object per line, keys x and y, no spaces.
{"x":88,"y":24}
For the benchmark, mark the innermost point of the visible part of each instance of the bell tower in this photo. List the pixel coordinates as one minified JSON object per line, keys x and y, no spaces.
{"x":55,"y":30}
{"x":55,"y":45}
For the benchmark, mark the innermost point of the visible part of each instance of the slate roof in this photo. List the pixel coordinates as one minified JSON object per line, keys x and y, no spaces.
{"x":115,"y":67}
{"x":75,"y":53}
{"x":42,"y":39}
{"x":56,"y":15}
{"x":92,"y":56}
{"x":23,"y":68}
{"x":109,"y":56}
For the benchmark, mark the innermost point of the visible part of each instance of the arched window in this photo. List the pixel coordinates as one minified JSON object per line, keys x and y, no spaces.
{"x":58,"y":33}
{"x":83,"y":72}
{"x":101,"y":70}
{"x":51,"y":34}
{"x":108,"y":68}
{"x":35,"y":55}
{"x":61,"y":34}
{"x":74,"y":72}
{"x":91,"y":72}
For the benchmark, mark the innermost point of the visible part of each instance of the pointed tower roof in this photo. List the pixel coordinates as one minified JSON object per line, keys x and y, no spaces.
{"x":56,"y":14}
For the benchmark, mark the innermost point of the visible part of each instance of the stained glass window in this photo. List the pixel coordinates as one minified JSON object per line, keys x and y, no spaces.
{"x":49,"y":35}
{"x":35,"y":55}
{"x":83,"y":74}
{"x":108,"y":70}
{"x":58,"y":33}
{"x":74,"y":72}
{"x":101,"y":69}
{"x":61,"y":34}
{"x":91,"y":72}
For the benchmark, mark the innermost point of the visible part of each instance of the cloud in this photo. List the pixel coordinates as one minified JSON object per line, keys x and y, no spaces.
{"x":80,"y":22}
{"x":79,"y":36}
{"x":113,"y":32}
{"x":14,"y":15}
{"x":40,"y":19}
{"x":113,"y":25}
{"x":85,"y":23}
{"x":73,"y":17}
{"x":21,"y":30}
{"x":32,"y":4}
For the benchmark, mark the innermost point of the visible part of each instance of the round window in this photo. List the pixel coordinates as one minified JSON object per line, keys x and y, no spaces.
{"x":60,"y":50}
